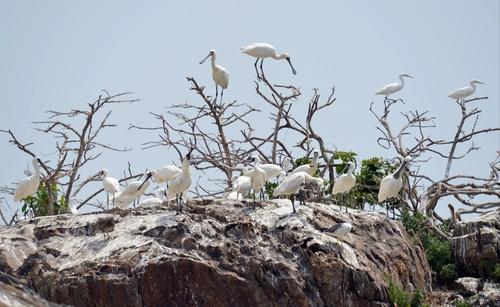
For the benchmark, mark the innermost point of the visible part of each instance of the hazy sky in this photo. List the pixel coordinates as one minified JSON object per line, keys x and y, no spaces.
{"x":60,"y":54}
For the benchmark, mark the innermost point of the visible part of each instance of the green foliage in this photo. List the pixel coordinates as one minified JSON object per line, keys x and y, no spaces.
{"x":438,"y":251}
{"x":270,"y":186}
{"x":490,"y":270}
{"x":401,"y":298}
{"x":495,"y":273}
{"x":301,"y":161}
{"x":344,"y":156}
{"x":461,"y":303}
{"x":39,"y":202}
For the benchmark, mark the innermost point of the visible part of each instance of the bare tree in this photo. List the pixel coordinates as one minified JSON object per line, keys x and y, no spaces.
{"x":413,"y":139}
{"x":77,"y":143}
{"x":209,"y":126}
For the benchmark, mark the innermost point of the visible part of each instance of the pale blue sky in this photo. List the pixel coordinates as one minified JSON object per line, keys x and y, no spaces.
{"x":60,"y":54}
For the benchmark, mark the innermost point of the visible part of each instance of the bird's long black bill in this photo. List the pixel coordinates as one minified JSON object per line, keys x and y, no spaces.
{"x":293,"y":69}
{"x":203,"y":61}
{"x":147,"y":178}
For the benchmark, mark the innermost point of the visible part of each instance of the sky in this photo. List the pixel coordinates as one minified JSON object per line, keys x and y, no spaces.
{"x":60,"y":54}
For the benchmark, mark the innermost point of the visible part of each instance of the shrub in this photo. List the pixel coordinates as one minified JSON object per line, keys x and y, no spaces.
{"x":401,"y":298}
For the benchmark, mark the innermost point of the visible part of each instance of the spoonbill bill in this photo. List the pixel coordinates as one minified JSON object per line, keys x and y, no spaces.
{"x":29,"y":185}
{"x":465,"y":91}
{"x":262,"y":51}
{"x":181,"y":182}
{"x":310,"y":168}
{"x":345,"y":182}
{"x":339,"y":231}
{"x":133,"y":191}
{"x":392,"y":88}
{"x":392,"y":183}
{"x":110,"y":185}
{"x":293,"y":183}
{"x":219,"y":74}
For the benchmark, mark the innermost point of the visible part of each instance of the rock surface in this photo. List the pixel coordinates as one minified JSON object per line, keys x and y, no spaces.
{"x":476,"y":244}
{"x":15,"y":294}
{"x":213,"y":254}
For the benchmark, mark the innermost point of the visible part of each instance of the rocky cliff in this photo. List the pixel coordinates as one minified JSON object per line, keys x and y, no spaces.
{"x":214,"y":253}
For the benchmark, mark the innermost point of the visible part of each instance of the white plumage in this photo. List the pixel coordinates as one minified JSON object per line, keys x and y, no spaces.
{"x":241,"y":186}
{"x":293,"y":183}
{"x":392,"y":183}
{"x":346,"y":181}
{"x":258,"y":179}
{"x":272,"y":170}
{"x":110,"y":185}
{"x":29,"y":185}
{"x":310,"y":168}
{"x":339,"y":231}
{"x":466,"y":91}
{"x":392,"y":88}
{"x":165,"y":173}
{"x":153,"y":201}
{"x":219,"y":74}
{"x":73,"y":205}
{"x":262,"y":51}
{"x":181,"y":183}
{"x":133,"y":191}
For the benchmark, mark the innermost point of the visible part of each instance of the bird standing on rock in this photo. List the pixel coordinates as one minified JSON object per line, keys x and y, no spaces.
{"x":293,"y":183}
{"x":181,"y":182}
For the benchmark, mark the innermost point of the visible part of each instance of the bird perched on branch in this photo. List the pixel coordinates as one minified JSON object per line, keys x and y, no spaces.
{"x":262,"y":51}
{"x":219,"y":74}
{"x":392,"y":88}
{"x":465,"y":91}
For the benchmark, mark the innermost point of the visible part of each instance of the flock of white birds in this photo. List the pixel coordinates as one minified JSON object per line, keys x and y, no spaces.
{"x":255,"y":175}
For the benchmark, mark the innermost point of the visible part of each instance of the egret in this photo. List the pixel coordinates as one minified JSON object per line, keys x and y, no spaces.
{"x":392,"y":183}
{"x":242,"y":186}
{"x":258,"y":180}
{"x":345,"y":182}
{"x":310,"y":168}
{"x":165,"y":173}
{"x":110,"y":185}
{"x":181,"y":183}
{"x":392,"y":88}
{"x":339,"y":231}
{"x":133,"y":191}
{"x":262,"y":51}
{"x":219,"y":74}
{"x":73,"y":205}
{"x":466,"y":91}
{"x":293,"y":183}
{"x":29,"y":185}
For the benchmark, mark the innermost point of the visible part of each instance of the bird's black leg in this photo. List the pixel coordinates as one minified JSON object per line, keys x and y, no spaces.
{"x":221,"y":95}
{"x":254,"y":198}
{"x":180,"y":203}
{"x":261,"y":69}
{"x":216,"y":93}
{"x":292,"y":198}
{"x":114,"y":200}
{"x":256,"y":70}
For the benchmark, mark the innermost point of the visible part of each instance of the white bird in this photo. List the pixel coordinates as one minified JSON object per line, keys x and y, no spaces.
{"x":392,"y":183}
{"x":154,"y":201}
{"x":466,"y":91}
{"x":165,"y":173}
{"x":392,"y":88}
{"x":73,"y":205}
{"x":287,"y":164}
{"x":181,"y":183}
{"x":241,"y":186}
{"x":110,"y":185}
{"x":133,"y":191}
{"x":293,"y":183}
{"x":262,"y":51}
{"x":219,"y":74}
{"x":339,"y":231}
{"x":346,"y":181}
{"x":29,"y":185}
{"x":310,"y":168}
{"x":258,"y":180}
{"x":272,"y":170}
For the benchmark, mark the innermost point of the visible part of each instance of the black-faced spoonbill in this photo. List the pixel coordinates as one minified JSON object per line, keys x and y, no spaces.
{"x":345,"y":182}
{"x":29,"y":185}
{"x":262,"y":51}
{"x":392,"y":183}
{"x":181,"y":182}
{"x":219,"y":74}
{"x":110,"y":185}
{"x":293,"y":183}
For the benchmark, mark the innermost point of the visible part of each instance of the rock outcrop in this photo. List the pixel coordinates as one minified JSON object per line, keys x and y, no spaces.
{"x":476,"y":244}
{"x":214,"y":253}
{"x":15,"y":294}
